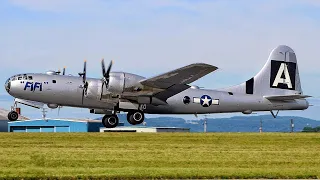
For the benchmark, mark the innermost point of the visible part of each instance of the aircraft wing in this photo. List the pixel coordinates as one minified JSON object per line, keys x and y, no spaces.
{"x":286,"y":97}
{"x":161,"y":87}
{"x":184,"y":75}
{"x":176,"y":81}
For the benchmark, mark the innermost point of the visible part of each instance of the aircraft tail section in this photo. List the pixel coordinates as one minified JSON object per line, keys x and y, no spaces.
{"x":279,"y":76}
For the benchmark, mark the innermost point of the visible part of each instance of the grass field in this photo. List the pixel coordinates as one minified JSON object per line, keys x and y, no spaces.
{"x":163,"y":155}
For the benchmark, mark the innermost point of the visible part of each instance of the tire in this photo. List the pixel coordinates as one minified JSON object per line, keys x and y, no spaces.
{"x":110,"y":121}
{"x":135,"y":117}
{"x":13,"y":116}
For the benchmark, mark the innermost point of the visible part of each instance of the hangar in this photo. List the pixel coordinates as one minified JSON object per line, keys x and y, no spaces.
{"x":55,"y":125}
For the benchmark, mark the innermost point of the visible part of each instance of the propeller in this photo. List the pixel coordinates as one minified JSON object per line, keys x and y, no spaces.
{"x":84,"y":80}
{"x":106,"y":75}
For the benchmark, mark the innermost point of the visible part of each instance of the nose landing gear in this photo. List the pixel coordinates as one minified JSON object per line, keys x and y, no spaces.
{"x":13,"y":116}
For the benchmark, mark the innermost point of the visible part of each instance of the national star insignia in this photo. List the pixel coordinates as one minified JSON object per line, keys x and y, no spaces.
{"x":205,"y":101}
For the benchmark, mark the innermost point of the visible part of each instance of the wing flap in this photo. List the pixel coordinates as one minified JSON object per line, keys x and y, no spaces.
{"x":286,"y":97}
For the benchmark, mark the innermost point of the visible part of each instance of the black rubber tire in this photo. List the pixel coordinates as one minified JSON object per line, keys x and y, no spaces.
{"x":135,"y":117}
{"x":13,"y":116}
{"x":110,"y":121}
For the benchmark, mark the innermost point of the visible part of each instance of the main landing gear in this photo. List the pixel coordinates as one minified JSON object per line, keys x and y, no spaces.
{"x":133,"y":117}
{"x":110,"y":121}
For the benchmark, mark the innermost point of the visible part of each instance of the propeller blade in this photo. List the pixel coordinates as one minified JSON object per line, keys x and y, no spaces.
{"x":102,"y":90}
{"x":82,"y":96}
{"x":84,"y":71}
{"x":104,"y":83}
{"x":103,"y":67}
{"x":84,"y":79}
{"x":104,"y":72}
{"x":84,"y":91}
{"x":109,"y":68}
{"x":106,"y":75}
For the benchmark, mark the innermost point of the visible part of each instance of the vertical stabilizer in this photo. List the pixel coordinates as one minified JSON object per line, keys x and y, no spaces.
{"x":279,"y":76}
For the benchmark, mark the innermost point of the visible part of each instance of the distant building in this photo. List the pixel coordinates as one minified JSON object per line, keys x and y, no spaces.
{"x":55,"y":125}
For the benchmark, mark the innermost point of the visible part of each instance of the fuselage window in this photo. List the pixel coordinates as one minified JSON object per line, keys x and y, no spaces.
{"x":54,"y":81}
{"x":230,"y":93}
{"x":30,"y":77}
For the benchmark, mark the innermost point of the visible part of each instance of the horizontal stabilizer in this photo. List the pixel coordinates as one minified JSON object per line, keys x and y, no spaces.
{"x":286,"y":97}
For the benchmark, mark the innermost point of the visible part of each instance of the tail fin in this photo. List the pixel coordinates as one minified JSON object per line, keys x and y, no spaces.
{"x":279,"y":76}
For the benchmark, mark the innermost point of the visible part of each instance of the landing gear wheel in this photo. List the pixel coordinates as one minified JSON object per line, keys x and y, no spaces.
{"x":13,"y":116}
{"x":110,"y":121}
{"x":135,"y":117}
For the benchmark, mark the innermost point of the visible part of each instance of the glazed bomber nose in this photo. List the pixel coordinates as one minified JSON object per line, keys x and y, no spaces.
{"x":7,"y":86}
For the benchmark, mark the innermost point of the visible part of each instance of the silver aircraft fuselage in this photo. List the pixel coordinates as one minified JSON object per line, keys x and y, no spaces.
{"x":67,"y":91}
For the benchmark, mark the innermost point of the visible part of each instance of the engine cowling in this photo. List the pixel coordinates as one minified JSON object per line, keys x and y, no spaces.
{"x":123,"y":82}
{"x":94,"y":89}
{"x":116,"y":83}
{"x":119,"y":82}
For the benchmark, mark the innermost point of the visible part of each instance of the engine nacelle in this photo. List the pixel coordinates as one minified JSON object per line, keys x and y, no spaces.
{"x":119,"y":82}
{"x":94,"y":89}
{"x":52,"y":106}
{"x":116,"y":83}
{"x":123,"y":82}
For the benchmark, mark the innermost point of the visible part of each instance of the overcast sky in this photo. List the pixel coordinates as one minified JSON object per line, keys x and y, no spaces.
{"x":150,"y":37}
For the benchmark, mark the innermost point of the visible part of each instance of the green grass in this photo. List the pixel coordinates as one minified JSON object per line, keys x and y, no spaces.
{"x":163,"y":155}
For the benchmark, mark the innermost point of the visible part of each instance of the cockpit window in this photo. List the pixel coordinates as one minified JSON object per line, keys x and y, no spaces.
{"x":25,"y":77}
{"x":19,"y":78}
{"x":30,"y":77}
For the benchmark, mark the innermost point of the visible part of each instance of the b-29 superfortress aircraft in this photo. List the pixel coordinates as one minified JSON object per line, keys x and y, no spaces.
{"x":276,"y":87}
